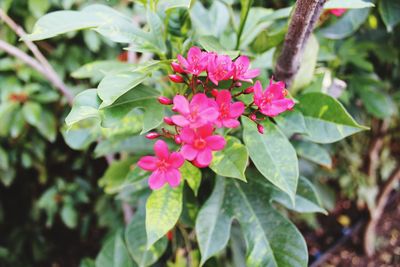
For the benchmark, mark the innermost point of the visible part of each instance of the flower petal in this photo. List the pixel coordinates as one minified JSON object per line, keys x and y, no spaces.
{"x":161,"y":149}
{"x":215,"y":142}
{"x":276,"y":90}
{"x":236,"y":109}
{"x":148,"y":163}
{"x":199,"y":102}
{"x":224,"y":97}
{"x":205,"y":130}
{"x":176,"y":160}
{"x":204,"y":157}
{"x":179,"y":120}
{"x":277,"y":107}
{"x":231,"y":123}
{"x":187,"y":135}
{"x":193,"y":54}
{"x":157,"y":180}
{"x":209,"y":114}
{"x":181,"y":104}
{"x":173,"y":177}
{"x":188,"y":152}
{"x":258,"y":92}
{"x":251,"y":73}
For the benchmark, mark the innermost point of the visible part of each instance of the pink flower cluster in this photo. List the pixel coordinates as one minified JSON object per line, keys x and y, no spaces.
{"x":206,"y":106}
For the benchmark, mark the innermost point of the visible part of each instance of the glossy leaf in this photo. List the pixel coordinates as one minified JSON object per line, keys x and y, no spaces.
{"x":273,"y":155}
{"x":313,"y":152}
{"x":232,"y":160}
{"x":136,"y":241}
{"x":192,"y":175}
{"x":115,"y":175}
{"x":390,"y":12}
{"x":85,"y":106}
{"x":32,"y":112}
{"x":291,"y":122}
{"x":266,"y":232}
{"x":163,"y":208}
{"x":326,"y":119}
{"x":348,"y":4}
{"x":114,"y":254}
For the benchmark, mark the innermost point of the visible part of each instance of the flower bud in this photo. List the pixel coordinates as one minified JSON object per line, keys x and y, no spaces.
{"x":174,"y":109}
{"x":152,"y":135}
{"x":176,"y":78}
{"x":178,"y":139}
{"x":177,"y":67}
{"x":260,"y":128}
{"x":285,"y":92}
{"x":253,"y":117}
{"x":168,"y":121}
{"x":214,"y":92}
{"x":170,"y":235}
{"x":238,"y":84}
{"x":164,"y":100}
{"x":249,"y":90}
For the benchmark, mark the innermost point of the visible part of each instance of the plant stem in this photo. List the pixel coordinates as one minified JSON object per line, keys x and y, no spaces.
{"x":242,"y":23}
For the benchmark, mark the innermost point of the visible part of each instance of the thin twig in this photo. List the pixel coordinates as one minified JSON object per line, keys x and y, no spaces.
{"x":51,"y":73}
{"x":300,"y":27}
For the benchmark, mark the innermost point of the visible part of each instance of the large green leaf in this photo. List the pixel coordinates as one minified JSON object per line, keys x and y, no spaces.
{"x":232,"y":160}
{"x":271,"y":239}
{"x":313,"y":152}
{"x":346,"y":25}
{"x":211,"y":44}
{"x":326,"y":119}
{"x":98,"y":69}
{"x":273,"y":155}
{"x":116,"y":174}
{"x":163,"y":209}
{"x":291,"y":122}
{"x":390,"y":12}
{"x":142,"y":97}
{"x":85,"y":106}
{"x":136,"y":241}
{"x":192,"y":175}
{"x":348,"y":4}
{"x":114,"y":254}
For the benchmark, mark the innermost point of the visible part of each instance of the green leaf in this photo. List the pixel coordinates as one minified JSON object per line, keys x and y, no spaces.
{"x":7,"y":112}
{"x":168,"y":4}
{"x":98,"y":69}
{"x":313,"y":152}
{"x":377,"y":103}
{"x":142,"y":97}
{"x":192,"y":175}
{"x":390,"y":12}
{"x":271,"y":239}
{"x":326,"y":119}
{"x":136,"y":241}
{"x":114,"y":254}
{"x":232,"y":160}
{"x":17,"y":125}
{"x":348,"y":4}
{"x":47,"y":126}
{"x":85,"y":106}
{"x":211,"y":44}
{"x":69,"y":215}
{"x":163,"y":208}
{"x":346,"y":25}
{"x":273,"y":155}
{"x":82,"y":133}
{"x":116,"y":174}
{"x":38,"y":7}
{"x":308,"y":62}
{"x":291,"y":122}
{"x":244,"y":12}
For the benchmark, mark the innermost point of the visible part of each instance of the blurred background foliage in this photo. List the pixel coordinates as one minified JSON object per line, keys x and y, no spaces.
{"x":52,"y":209}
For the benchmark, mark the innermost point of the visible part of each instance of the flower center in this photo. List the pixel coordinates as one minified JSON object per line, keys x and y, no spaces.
{"x":224,"y":110}
{"x":162,"y":165}
{"x":199,"y":143}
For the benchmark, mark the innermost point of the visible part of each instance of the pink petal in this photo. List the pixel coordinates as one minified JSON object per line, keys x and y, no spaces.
{"x":188,"y":152}
{"x":148,"y":163}
{"x":231,"y":123}
{"x":224,"y":97}
{"x":157,"y":180}
{"x":276,"y":91}
{"x":215,"y":142}
{"x":187,"y":135}
{"x":199,"y":101}
{"x":204,"y":157}
{"x":277,"y":107}
{"x":181,"y":104}
{"x":236,"y":109}
{"x":173,"y":177}
{"x":183,"y":61}
{"x":244,"y":61}
{"x":161,"y":149}
{"x":205,"y":130}
{"x":179,"y":120}
{"x":209,"y":114}
{"x":252,"y":73}
{"x":198,"y":165}
{"x":258,"y":92}
{"x":194,"y":52}
{"x":176,"y":160}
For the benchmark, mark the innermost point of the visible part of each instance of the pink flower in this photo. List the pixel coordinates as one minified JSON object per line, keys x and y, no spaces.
{"x":272,"y":101}
{"x":228,"y":112}
{"x":165,"y":166}
{"x":337,"y":11}
{"x":199,"y":143}
{"x":220,"y":67}
{"x":196,"y":113}
{"x":242,"y":72}
{"x":196,"y":61}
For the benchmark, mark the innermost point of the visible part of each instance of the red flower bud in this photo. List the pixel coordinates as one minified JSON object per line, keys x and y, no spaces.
{"x":178,"y":139}
{"x":238,"y":84}
{"x":153,"y":135}
{"x":174,"y":109}
{"x":176,"y":78}
{"x":249,"y":90}
{"x":168,"y":121}
{"x":170,"y":235}
{"x":177,"y":67}
{"x":214,"y":92}
{"x":260,"y":128}
{"x":164,"y":100}
{"x":253,"y":117}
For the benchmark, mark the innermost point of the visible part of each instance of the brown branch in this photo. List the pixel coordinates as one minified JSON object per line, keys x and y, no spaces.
{"x":301,"y":25}
{"x":370,"y":234}
{"x":51,"y":73}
